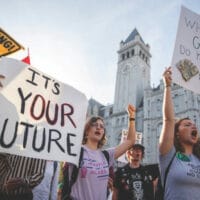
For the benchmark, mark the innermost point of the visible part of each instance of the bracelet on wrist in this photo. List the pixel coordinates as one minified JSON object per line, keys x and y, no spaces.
{"x":167,"y":86}
{"x":131,"y":119}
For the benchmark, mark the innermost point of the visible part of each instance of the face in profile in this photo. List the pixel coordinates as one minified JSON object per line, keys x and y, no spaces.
{"x":187,"y":132}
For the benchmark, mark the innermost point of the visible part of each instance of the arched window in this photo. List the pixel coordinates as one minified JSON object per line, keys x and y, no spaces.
{"x":133,"y":52}
{"x":123,"y":120}
{"x":143,"y":56}
{"x":195,"y":119}
{"x":127,"y":54}
{"x":159,"y":105}
{"x":110,"y":111}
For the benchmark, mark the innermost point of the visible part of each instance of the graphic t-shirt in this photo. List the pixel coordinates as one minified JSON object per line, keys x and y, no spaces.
{"x":183,"y":179}
{"x":92,"y":180}
{"x":131,"y":183}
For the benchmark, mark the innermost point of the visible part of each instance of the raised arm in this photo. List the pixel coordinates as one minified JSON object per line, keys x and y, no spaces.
{"x":122,"y":148}
{"x":166,"y":141}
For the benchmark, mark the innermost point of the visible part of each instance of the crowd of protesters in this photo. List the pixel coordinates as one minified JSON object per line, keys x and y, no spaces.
{"x":23,"y":178}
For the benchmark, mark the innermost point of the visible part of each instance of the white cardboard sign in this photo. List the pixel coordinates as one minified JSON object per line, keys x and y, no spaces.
{"x":40,"y":117}
{"x":186,"y":56}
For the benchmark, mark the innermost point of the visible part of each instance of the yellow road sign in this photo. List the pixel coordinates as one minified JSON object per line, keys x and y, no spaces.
{"x":7,"y":44}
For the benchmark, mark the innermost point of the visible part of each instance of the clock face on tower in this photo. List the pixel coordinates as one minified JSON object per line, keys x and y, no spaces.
{"x":125,"y":69}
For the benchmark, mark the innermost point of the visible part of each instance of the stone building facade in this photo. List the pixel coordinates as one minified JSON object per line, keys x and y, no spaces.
{"x":133,"y":85}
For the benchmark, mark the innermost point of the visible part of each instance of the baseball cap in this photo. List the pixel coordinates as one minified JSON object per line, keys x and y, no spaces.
{"x":139,"y":146}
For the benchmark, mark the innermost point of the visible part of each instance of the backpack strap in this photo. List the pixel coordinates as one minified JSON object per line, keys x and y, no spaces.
{"x":167,"y":171}
{"x":73,"y":178}
{"x":111,"y":171}
{"x":75,"y":170}
{"x":106,"y":154}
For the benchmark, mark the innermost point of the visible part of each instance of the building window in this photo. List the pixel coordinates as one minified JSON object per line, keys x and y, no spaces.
{"x":176,"y":102}
{"x":158,"y":131}
{"x":117,"y":121}
{"x":110,"y":111}
{"x":140,"y":53}
{"x":158,"y":104}
{"x":127,"y":54}
{"x":133,"y":52}
{"x":123,"y":56}
{"x":148,"y":113}
{"x":143,"y":56}
{"x":119,"y":138}
{"x":195,"y":119}
{"x":123,"y":120}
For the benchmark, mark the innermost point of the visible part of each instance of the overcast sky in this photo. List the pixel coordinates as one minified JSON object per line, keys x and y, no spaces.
{"x":76,"y":41}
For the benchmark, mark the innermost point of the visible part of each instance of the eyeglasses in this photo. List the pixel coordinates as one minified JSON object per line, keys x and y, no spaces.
{"x":96,"y":125}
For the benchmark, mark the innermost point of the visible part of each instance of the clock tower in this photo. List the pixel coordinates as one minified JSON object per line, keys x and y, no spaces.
{"x":133,"y":73}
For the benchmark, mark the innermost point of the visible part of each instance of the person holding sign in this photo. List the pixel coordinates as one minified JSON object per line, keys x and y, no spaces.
{"x":178,"y":145}
{"x":93,"y":175}
{"x":18,"y":174}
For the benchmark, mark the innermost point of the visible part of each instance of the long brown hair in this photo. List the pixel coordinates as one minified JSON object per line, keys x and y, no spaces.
{"x":177,"y":143}
{"x":88,"y":125}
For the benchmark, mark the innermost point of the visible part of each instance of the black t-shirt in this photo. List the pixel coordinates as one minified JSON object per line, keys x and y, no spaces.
{"x":134,"y":183}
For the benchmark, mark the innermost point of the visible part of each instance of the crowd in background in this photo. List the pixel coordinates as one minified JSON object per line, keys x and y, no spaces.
{"x":23,"y":178}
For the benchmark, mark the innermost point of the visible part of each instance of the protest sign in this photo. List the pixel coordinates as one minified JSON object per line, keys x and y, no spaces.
{"x":7,"y":44}
{"x":40,"y":117}
{"x":186,"y":56}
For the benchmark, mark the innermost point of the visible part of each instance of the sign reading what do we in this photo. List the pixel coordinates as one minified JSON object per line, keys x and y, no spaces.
{"x":40,"y":117}
{"x":186,"y":56}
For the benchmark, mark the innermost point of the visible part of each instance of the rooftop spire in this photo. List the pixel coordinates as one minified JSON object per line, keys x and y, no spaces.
{"x":132,"y":36}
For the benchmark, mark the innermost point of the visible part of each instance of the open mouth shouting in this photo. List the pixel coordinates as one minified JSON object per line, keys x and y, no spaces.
{"x":194,"y":134}
{"x":98,"y":133}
